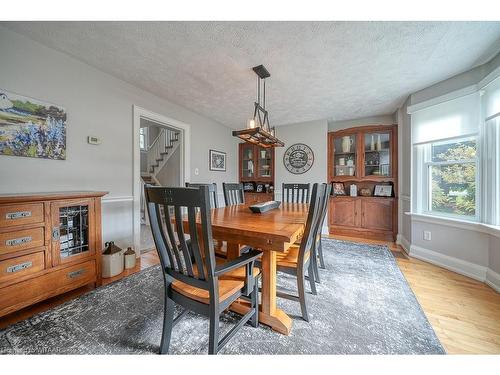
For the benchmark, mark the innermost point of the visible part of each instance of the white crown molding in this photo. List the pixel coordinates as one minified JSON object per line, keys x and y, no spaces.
{"x":442,"y":98}
{"x":489,"y":78}
{"x":493,"y":279}
{"x":460,"y":266}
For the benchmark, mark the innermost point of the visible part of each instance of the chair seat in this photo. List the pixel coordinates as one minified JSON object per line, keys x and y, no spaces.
{"x":227,"y":287}
{"x":290,"y":258}
{"x":229,"y":284}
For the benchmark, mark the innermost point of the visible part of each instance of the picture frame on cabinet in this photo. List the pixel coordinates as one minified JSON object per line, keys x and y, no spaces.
{"x":383,"y":191}
{"x":338,"y":188}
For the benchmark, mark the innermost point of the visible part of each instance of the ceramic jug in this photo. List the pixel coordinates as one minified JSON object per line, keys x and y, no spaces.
{"x":347,"y":141}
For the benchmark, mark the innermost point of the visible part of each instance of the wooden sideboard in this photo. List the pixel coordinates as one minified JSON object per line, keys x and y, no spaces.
{"x":364,"y":156}
{"x":50,"y":243}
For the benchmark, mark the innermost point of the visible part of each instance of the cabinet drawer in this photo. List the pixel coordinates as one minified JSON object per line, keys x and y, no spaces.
{"x":21,"y":240}
{"x":19,"y":214}
{"x":21,"y":266}
{"x":19,"y":295}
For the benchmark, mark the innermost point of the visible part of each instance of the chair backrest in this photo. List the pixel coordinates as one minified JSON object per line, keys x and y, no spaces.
{"x":233,"y":194}
{"x":296,"y":193}
{"x":194,"y":264}
{"x":323,"y":209}
{"x":308,"y":239}
{"x":212,"y":189}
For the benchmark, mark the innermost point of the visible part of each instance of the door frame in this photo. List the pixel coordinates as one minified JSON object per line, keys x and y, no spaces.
{"x":185,"y":156}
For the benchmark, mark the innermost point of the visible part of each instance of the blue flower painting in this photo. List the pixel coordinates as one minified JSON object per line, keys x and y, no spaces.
{"x":29,"y":127}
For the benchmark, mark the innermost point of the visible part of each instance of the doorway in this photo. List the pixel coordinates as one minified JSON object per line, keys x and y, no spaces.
{"x":161,"y":157}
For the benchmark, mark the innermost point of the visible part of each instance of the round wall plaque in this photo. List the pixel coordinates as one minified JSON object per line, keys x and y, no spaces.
{"x":298,"y":158}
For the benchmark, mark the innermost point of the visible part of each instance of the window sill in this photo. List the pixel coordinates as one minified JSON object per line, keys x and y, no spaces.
{"x":493,"y":230}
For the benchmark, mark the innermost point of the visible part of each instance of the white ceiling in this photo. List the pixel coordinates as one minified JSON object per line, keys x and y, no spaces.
{"x":319,"y":70}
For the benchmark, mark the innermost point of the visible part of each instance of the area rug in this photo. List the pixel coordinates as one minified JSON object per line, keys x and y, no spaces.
{"x":364,"y":306}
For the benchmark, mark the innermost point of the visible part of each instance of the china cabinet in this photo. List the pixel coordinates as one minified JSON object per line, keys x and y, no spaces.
{"x":256,"y":172}
{"x":365,"y":156}
{"x":49,"y":244}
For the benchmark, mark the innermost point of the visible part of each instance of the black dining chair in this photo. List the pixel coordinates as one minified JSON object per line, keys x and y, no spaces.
{"x":295,"y":193}
{"x":318,"y":248}
{"x":212,"y":190}
{"x":192,"y":276}
{"x":220,"y":246}
{"x":298,"y":257}
{"x":233,"y":193}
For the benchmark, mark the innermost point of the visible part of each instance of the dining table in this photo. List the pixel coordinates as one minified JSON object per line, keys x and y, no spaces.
{"x":271,"y":232}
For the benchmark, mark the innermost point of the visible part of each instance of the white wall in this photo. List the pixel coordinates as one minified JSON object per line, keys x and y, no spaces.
{"x":312,"y":133}
{"x":169,"y":175}
{"x":464,"y":249}
{"x":101,"y":105}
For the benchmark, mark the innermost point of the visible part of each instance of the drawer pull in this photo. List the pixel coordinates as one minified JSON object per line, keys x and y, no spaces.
{"x":77,"y":273}
{"x":19,"y":267}
{"x":17,"y":215}
{"x":18,"y":241}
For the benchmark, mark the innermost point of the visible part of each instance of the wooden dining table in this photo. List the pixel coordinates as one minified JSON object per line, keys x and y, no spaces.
{"x":272,"y":232}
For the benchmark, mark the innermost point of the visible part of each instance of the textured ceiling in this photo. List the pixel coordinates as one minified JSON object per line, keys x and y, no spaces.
{"x":319,"y":70}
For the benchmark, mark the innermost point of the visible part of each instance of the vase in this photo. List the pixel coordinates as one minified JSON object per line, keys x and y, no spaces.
{"x":372,"y":144}
{"x":347,"y":141}
{"x":379,"y":144}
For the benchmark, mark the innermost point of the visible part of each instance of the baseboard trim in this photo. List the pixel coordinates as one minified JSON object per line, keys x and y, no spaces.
{"x":493,"y":279}
{"x":404,"y":243}
{"x":460,"y":266}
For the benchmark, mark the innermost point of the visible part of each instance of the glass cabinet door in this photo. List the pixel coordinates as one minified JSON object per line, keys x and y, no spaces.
{"x":265,"y":158}
{"x":377,"y":150}
{"x":344,"y":157}
{"x":247,"y":161}
{"x":72,"y":233}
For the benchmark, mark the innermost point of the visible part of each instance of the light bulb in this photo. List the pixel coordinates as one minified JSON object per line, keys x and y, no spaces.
{"x":251,"y":123}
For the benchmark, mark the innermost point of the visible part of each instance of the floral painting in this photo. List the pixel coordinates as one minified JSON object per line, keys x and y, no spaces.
{"x":29,"y":127}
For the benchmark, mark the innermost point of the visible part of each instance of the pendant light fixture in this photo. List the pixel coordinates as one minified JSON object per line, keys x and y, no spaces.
{"x":258,"y":130}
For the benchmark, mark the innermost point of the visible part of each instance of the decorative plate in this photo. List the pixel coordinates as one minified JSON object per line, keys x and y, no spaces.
{"x":298,"y":158}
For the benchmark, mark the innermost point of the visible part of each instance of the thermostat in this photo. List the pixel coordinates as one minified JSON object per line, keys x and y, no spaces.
{"x":93,"y":140}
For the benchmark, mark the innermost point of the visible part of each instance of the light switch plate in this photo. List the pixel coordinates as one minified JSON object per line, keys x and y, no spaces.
{"x":93,"y":140}
{"x":427,"y":235}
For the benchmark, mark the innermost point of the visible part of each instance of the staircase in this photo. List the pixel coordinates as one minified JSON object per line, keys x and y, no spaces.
{"x":157,"y":157}
{"x":161,"y":149}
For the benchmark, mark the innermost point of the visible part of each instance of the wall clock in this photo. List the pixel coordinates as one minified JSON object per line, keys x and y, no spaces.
{"x":298,"y":158}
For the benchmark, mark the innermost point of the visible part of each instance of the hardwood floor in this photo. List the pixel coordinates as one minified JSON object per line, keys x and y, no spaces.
{"x":464,"y":313}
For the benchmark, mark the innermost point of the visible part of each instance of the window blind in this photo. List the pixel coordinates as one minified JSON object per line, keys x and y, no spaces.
{"x":454,"y":118}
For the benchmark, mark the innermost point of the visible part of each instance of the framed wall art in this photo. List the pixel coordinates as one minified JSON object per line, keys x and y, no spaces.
{"x":217,"y":160}
{"x":31,"y":128}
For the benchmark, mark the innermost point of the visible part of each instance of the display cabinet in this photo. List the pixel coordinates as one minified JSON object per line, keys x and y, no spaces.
{"x":366,"y":157}
{"x":256,"y":172}
{"x":49,"y":244}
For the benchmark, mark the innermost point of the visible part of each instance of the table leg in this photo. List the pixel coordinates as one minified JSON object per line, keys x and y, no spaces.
{"x":269,"y":314}
{"x":233,"y":250}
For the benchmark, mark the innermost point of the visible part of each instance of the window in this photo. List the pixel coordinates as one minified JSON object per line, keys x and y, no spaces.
{"x":452,"y":175}
{"x":446,"y":168}
{"x":143,"y":136}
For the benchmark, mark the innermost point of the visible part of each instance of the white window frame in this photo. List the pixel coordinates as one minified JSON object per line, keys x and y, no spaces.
{"x":424,"y":191}
{"x":144,"y":135}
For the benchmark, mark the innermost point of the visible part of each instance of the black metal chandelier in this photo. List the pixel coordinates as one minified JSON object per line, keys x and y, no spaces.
{"x":258,"y":130}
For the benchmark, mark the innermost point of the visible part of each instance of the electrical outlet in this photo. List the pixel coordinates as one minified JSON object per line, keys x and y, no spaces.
{"x":196,"y":171}
{"x":427,"y":235}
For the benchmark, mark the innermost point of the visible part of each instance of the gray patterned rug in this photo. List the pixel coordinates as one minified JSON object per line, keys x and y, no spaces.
{"x":364,"y":306}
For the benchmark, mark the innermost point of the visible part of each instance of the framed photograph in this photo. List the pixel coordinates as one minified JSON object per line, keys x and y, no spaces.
{"x":217,"y":160}
{"x":383,"y":191}
{"x":260,"y":188}
{"x":31,"y":128}
{"x":338,"y":188}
